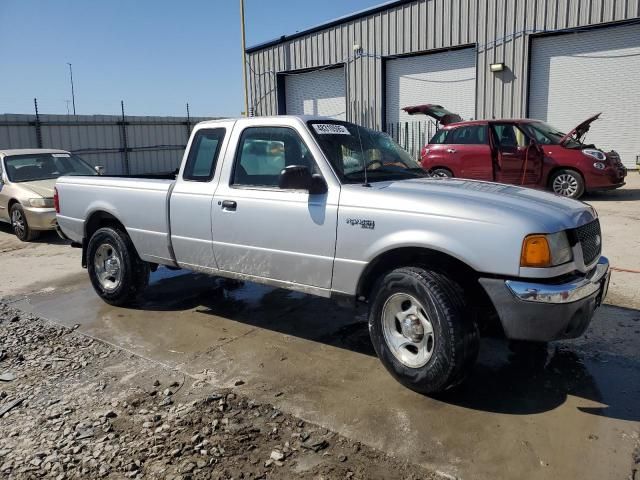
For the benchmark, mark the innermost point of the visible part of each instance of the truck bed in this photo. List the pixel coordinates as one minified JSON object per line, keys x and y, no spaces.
{"x":140,"y":203}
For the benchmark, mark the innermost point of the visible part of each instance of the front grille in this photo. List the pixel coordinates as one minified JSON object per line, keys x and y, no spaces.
{"x":590,"y":239}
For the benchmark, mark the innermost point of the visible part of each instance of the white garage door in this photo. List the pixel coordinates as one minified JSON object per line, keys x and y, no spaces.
{"x":444,"y":78}
{"x":317,"y":93}
{"x":576,"y":75}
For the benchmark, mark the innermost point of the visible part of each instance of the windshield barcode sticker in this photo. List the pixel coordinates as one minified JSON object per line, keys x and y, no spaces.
{"x":330,"y":129}
{"x":60,"y":155}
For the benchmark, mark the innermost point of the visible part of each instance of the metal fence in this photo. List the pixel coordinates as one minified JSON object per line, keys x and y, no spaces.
{"x":412,"y":136}
{"x":124,"y":145}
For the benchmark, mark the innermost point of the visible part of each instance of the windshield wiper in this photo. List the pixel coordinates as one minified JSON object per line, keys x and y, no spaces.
{"x":417,"y":172}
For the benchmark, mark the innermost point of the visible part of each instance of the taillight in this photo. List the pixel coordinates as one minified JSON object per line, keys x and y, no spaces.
{"x":56,"y":200}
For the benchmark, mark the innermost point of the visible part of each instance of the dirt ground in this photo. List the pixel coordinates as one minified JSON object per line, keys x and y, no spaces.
{"x":575,"y":416}
{"x":73,"y":407}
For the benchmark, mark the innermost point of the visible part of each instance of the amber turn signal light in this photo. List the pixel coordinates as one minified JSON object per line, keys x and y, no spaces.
{"x":535,"y":252}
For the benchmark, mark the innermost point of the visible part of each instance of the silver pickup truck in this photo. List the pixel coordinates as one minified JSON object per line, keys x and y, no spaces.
{"x":332,"y":209}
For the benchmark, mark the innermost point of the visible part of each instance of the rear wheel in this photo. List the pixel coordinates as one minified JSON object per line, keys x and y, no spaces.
{"x":20,"y":225}
{"x":442,"y":172}
{"x":567,"y":183}
{"x":117,"y":273}
{"x":421,"y":331}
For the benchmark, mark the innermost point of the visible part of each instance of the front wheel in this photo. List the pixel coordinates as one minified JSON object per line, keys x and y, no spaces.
{"x":421,"y":331}
{"x":567,"y":183}
{"x":20,"y":225}
{"x":441,"y":172}
{"x":117,"y":273}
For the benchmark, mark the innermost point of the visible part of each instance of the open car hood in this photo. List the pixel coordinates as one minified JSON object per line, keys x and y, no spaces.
{"x":581,"y":130}
{"x":438,"y":112}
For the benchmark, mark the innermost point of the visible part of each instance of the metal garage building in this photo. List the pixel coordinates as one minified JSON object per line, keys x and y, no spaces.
{"x":564,"y":60}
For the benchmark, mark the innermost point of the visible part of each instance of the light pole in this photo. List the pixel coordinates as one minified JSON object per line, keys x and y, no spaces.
{"x":73,"y":96}
{"x":244,"y":62}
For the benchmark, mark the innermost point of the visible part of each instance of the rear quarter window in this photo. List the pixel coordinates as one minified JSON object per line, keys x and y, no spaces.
{"x":439,"y":137}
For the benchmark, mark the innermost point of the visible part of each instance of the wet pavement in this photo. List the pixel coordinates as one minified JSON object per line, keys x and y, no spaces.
{"x":571,"y":412}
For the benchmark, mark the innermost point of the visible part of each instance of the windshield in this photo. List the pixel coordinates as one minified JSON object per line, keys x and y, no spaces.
{"x":45,"y":166}
{"x":354,"y":151}
{"x":545,"y":134}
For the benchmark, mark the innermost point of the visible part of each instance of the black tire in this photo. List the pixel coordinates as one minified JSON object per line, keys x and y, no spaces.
{"x":441,"y":172}
{"x":567,"y":183}
{"x":20,"y":224}
{"x":455,"y":333}
{"x":132,"y":272}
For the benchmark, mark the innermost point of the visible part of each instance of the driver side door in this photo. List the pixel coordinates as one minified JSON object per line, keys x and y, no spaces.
{"x":262,"y":230}
{"x":517,"y":159}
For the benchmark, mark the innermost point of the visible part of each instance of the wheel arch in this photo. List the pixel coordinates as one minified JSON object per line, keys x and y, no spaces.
{"x":95,"y":221}
{"x":456,"y":269}
{"x":443,"y":167}
{"x":11,"y":203}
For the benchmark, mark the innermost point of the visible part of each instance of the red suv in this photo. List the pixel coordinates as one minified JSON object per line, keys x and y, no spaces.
{"x":519,"y":152}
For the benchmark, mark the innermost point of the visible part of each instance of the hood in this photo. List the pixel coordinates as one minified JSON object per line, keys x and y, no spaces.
{"x":44,"y":188}
{"x":581,"y":130}
{"x":489,"y":202}
{"x":442,"y":115}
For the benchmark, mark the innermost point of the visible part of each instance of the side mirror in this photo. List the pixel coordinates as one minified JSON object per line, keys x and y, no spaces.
{"x":99,"y":169}
{"x":298,"y":177}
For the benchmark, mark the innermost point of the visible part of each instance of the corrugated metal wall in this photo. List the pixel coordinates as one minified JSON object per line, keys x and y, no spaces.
{"x":499,"y":30}
{"x":154,"y":144}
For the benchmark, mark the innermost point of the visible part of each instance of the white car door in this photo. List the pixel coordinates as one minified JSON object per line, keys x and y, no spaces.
{"x":264,"y":231}
{"x":190,"y":200}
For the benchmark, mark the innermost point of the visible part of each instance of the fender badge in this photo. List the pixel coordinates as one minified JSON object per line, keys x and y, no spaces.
{"x":368,"y":224}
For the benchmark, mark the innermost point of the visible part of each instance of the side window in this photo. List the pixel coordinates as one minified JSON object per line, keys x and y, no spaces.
{"x":471,"y":135}
{"x":264,"y":151}
{"x":439,"y":137}
{"x":205,"y":148}
{"x":509,"y":136}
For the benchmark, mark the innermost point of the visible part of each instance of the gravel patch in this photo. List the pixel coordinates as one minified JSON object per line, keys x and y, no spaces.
{"x":74,"y":407}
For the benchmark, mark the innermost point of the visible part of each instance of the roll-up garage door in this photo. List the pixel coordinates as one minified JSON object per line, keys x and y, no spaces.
{"x":574,"y":76}
{"x":317,"y":93}
{"x":443,"y":78}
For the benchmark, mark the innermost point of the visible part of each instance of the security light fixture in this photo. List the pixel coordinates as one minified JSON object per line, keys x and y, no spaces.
{"x":496,"y":67}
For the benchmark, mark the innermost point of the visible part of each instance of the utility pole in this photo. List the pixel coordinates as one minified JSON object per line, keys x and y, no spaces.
{"x":67,"y":102}
{"x":244,"y":62}
{"x":73,"y":96}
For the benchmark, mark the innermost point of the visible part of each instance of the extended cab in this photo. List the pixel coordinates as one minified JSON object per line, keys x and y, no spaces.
{"x":333,"y":209}
{"x":523,"y":152}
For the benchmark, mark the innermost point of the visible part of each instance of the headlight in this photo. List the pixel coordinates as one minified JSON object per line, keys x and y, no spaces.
{"x":545,"y":250}
{"x":599,"y":165}
{"x":597,"y":154}
{"x":41,"y":202}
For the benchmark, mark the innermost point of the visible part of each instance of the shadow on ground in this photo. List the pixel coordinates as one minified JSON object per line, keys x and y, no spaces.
{"x":620,"y":195}
{"x":501,"y":381}
{"x":46,"y":237}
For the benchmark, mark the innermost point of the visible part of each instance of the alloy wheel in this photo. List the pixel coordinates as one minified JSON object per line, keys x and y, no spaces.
{"x":18,"y":223}
{"x":565,"y":185}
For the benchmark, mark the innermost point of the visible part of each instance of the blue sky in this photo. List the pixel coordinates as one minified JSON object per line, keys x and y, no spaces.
{"x":154,"y":55}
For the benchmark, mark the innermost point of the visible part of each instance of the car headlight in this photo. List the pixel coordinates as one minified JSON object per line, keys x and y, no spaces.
{"x":545,"y":250}
{"x":597,"y":154}
{"x":599,"y":165}
{"x":41,"y":202}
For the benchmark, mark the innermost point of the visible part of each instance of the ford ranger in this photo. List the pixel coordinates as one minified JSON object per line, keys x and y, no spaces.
{"x":333,"y":209}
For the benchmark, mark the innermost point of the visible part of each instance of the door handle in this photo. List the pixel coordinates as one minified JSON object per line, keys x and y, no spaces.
{"x":229,"y":205}
{"x":451,"y":150}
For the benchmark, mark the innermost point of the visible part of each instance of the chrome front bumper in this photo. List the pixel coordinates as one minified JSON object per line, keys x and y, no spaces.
{"x":544,"y":311}
{"x":568,"y":292}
